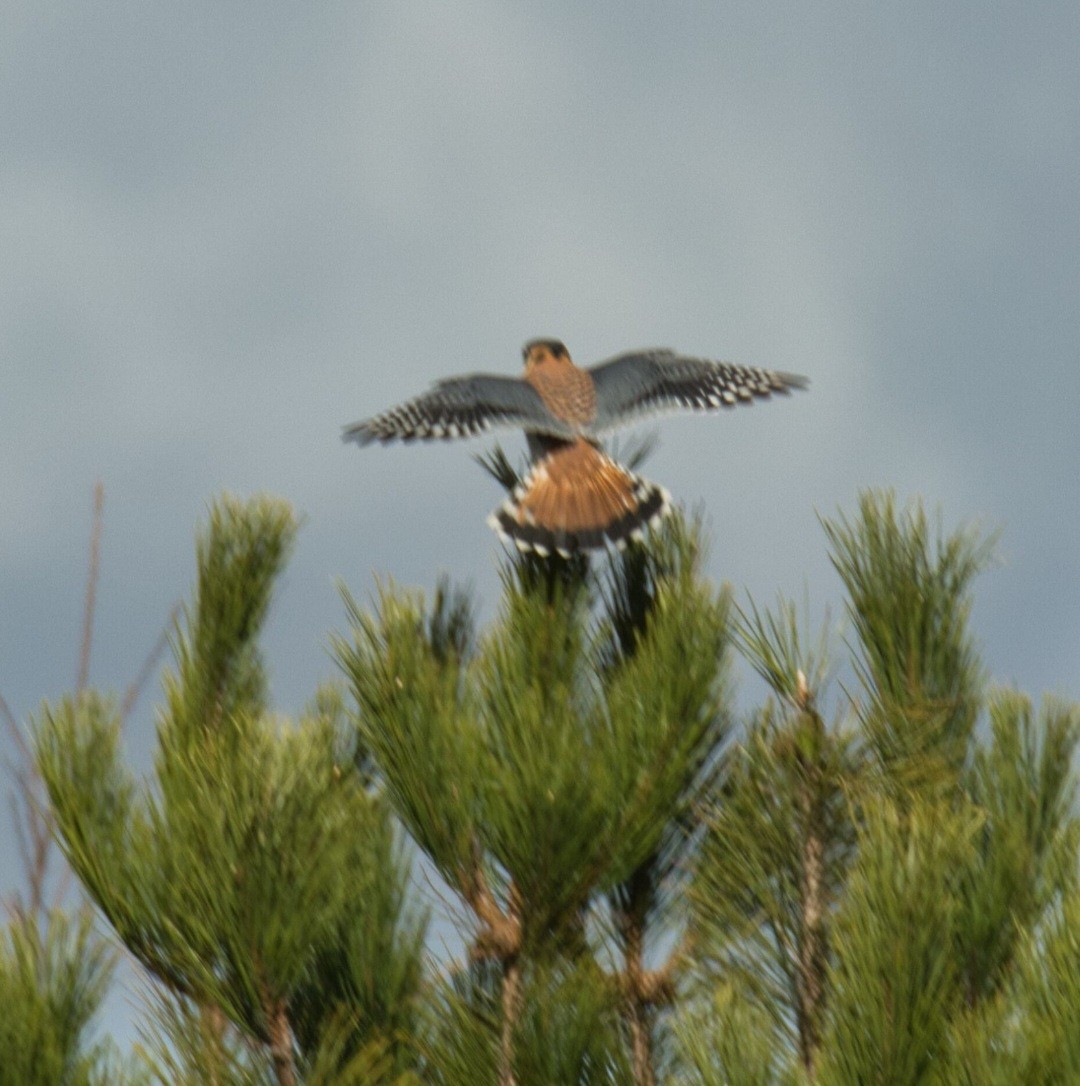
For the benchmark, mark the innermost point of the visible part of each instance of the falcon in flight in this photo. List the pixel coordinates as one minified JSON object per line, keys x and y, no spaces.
{"x":574,"y":497}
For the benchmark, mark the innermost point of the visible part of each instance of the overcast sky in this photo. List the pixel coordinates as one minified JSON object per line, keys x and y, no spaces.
{"x":228,"y":229}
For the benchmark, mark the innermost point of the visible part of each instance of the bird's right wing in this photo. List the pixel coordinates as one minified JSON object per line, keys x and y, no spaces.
{"x":461,"y":407}
{"x":656,"y":381}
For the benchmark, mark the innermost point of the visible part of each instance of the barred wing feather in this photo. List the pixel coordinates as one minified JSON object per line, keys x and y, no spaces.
{"x":655,"y":381}
{"x":461,"y":407}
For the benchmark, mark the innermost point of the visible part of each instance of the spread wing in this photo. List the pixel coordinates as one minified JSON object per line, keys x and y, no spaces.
{"x":655,"y":381}
{"x":461,"y":407}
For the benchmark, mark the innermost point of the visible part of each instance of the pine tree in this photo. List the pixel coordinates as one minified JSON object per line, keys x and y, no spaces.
{"x":53,"y":977}
{"x":872,"y":893}
{"x":256,"y":877}
{"x":549,"y":773}
{"x":870,"y":878}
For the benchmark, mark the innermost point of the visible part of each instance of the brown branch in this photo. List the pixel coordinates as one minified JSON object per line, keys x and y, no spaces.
{"x":41,"y":829}
{"x":212,"y":1028}
{"x":31,"y":819}
{"x":279,"y":1034}
{"x":281,"y":1050}
{"x":812,"y":947}
{"x":644,"y":991}
{"x":511,"y":1011}
{"x":499,"y":934}
{"x":138,"y":684}
{"x":639,"y":1013}
{"x":498,"y":939}
{"x":91,"y":588}
{"x":12,"y":726}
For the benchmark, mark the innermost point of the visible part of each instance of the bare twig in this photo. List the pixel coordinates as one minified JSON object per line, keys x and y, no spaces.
{"x":12,"y":724}
{"x":138,"y":684}
{"x":32,"y":822}
{"x":91,"y":588}
{"x":32,"y":816}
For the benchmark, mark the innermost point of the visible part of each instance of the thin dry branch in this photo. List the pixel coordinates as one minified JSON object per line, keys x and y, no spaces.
{"x":12,"y":726}
{"x":30,"y":818}
{"x":138,"y":684}
{"x":91,"y":588}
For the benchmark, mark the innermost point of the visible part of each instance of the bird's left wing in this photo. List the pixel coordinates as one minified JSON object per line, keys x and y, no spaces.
{"x":654,"y":381}
{"x":461,"y":407}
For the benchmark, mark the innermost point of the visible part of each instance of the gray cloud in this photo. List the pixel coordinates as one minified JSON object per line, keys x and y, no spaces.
{"x":227,"y":231}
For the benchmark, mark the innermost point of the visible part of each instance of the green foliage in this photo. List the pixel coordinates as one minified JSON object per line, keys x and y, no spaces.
{"x":185,"y":1045}
{"x":730,"y":1041}
{"x":52,"y":982}
{"x":665,"y":666}
{"x":785,"y":794}
{"x":460,"y":1039}
{"x":895,"y":980}
{"x":254,"y":875}
{"x":568,"y":1032}
{"x":407,"y":677}
{"x":547,"y":816}
{"x":1048,"y":991}
{"x":909,"y":600}
{"x":219,"y":670}
{"x":554,"y":757}
{"x":188,"y":1047}
{"x":1023,"y":782}
{"x":780,"y":837}
{"x":552,"y":764}
{"x":646,"y":892}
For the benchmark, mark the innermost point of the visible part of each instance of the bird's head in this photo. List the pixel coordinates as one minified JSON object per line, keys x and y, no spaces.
{"x":538,"y":351}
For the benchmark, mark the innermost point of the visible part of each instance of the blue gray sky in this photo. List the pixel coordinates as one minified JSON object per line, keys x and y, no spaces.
{"x":228,"y":229}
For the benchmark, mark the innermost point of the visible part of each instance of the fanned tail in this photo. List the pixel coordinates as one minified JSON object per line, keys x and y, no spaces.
{"x":577,"y":499}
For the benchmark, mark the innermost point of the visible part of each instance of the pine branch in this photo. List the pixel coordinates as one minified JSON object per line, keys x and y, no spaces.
{"x":909,"y":599}
{"x":213,"y":1024}
{"x":896,"y":982}
{"x":497,"y":464}
{"x":510,"y":1001}
{"x":813,"y":935}
{"x":499,"y":939}
{"x":281,"y":1043}
{"x":639,"y":1007}
{"x":499,"y":935}
{"x":53,"y":979}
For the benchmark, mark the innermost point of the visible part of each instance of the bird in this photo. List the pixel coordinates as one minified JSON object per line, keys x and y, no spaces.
{"x":574,"y":497}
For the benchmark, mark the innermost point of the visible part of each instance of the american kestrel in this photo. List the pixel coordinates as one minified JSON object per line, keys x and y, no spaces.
{"x":574,"y":497}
